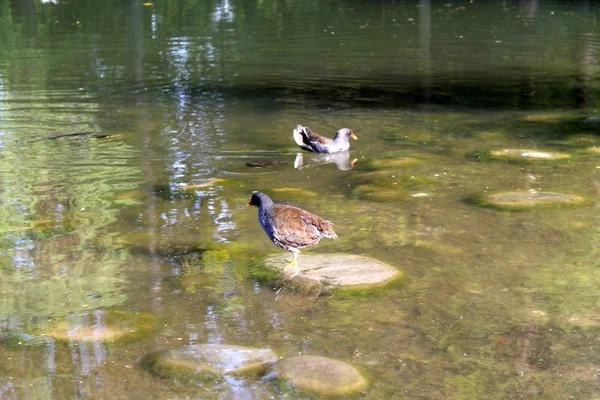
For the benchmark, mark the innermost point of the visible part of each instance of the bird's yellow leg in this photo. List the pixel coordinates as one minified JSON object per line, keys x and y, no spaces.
{"x":294,"y":260}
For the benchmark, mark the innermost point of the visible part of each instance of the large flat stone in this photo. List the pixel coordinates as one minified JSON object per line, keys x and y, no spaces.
{"x":112,"y":326}
{"x":211,"y":359}
{"x":328,"y":271}
{"x":531,"y":154}
{"x":320,"y":375}
{"x":531,"y":199}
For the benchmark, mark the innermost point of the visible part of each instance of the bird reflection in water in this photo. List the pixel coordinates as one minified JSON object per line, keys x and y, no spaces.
{"x":340,"y":159}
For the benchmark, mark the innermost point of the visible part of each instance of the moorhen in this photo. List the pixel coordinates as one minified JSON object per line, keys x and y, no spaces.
{"x":310,"y":141}
{"x":289,"y":227}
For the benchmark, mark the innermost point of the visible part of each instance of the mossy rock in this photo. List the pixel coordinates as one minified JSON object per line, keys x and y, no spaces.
{"x":45,"y":228}
{"x":594,"y":121}
{"x":202,"y":183}
{"x":520,"y":156}
{"x":192,"y":282}
{"x":546,"y":117}
{"x":594,"y":149}
{"x":491,"y":136}
{"x":528,"y":154}
{"x":577,"y":141}
{"x":321,"y":273}
{"x":584,"y":321}
{"x":524,"y":200}
{"x":395,"y":163}
{"x":130,"y":197}
{"x":43,"y":224}
{"x":258,"y":273}
{"x":325,"y":377}
{"x":210,"y":360}
{"x":374,"y":192}
{"x":392,"y":179}
{"x":113,"y":326}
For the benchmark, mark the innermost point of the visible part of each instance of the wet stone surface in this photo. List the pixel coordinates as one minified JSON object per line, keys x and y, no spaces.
{"x":528,"y":154}
{"x":325,"y":272}
{"x":320,"y":375}
{"x":112,"y":326}
{"x":531,"y":199}
{"x":211,"y":359}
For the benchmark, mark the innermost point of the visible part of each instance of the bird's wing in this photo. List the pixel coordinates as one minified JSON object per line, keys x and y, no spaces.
{"x":324,"y":227}
{"x":314,"y":137}
{"x":298,"y":228}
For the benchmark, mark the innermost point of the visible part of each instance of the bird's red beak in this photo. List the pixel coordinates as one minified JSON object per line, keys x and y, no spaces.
{"x":353,"y":136}
{"x":353,"y":162}
{"x":249,"y":203}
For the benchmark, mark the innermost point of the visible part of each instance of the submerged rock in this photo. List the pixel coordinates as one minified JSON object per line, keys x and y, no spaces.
{"x":528,"y":154}
{"x":199,"y":360}
{"x":320,"y":375}
{"x":395,"y":163}
{"x":594,"y":149}
{"x":584,"y":320}
{"x":130,"y":197}
{"x":321,"y":273}
{"x":518,"y":200}
{"x":594,"y":120}
{"x":547,"y":117}
{"x":192,"y":282}
{"x":202,"y":183}
{"x":577,"y":141}
{"x":113,"y":326}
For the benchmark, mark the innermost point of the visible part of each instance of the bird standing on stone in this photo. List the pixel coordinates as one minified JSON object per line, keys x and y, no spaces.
{"x":289,"y":227}
{"x":310,"y":141}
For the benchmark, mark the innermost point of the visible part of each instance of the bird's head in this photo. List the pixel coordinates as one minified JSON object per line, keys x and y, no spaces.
{"x":347,"y":133}
{"x":258,"y":198}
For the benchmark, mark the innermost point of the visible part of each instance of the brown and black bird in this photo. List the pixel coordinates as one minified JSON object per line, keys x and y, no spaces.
{"x":311,"y":141}
{"x":289,"y":227}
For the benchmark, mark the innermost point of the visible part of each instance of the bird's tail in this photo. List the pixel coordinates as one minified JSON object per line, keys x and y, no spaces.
{"x":326,"y":229}
{"x":300,"y":135}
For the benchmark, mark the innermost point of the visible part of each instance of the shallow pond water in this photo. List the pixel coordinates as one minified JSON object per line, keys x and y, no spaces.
{"x":125,"y":133}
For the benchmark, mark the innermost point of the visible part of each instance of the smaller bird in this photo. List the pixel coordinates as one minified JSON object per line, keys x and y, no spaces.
{"x":289,"y":227}
{"x":310,"y":141}
{"x":265,"y":163}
